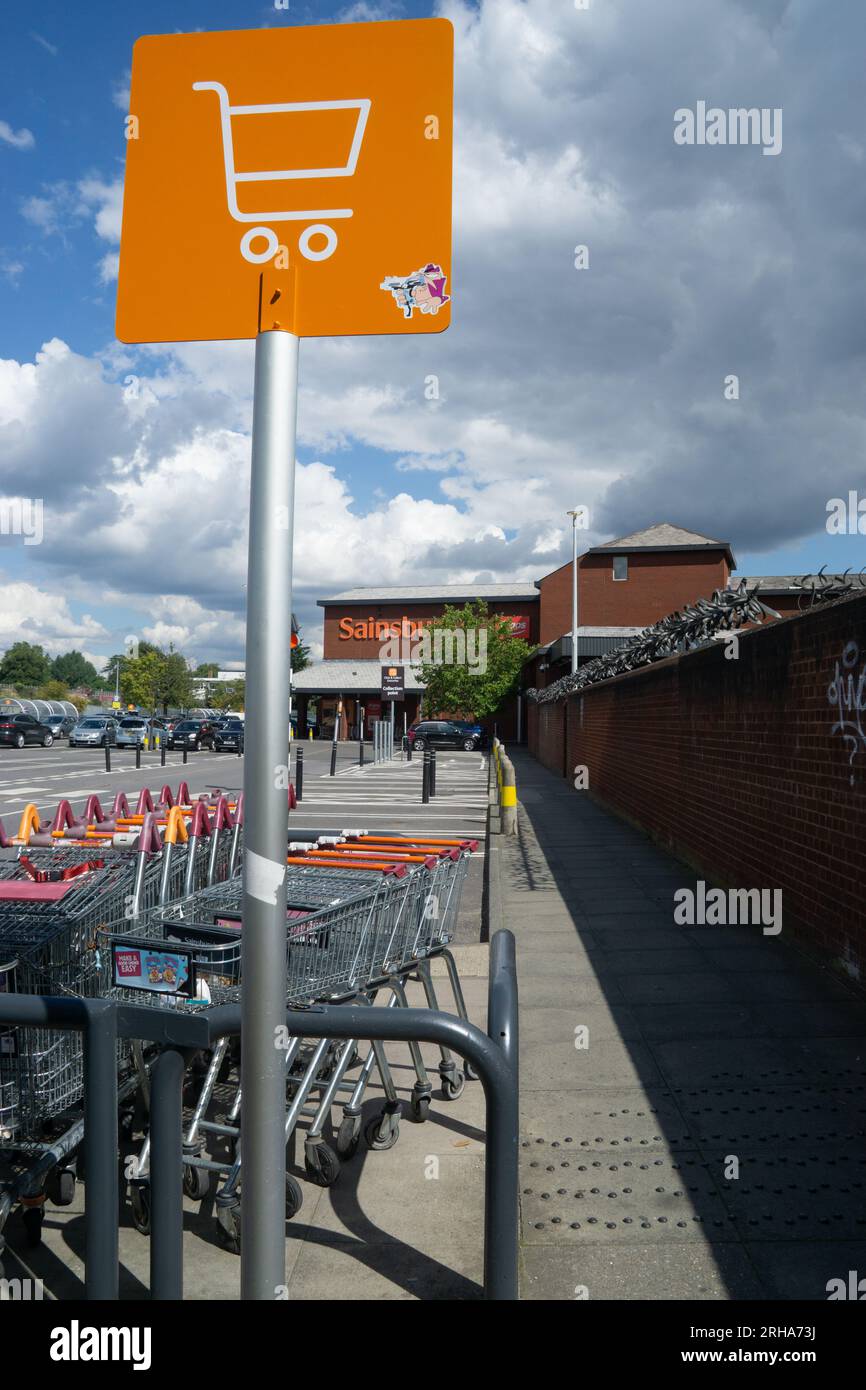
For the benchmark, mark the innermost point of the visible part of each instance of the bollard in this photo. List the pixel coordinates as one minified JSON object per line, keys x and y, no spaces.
{"x":185,"y":755}
{"x":361,"y":751}
{"x":299,"y":773}
{"x":107,"y":755}
{"x":138,"y":755}
{"x":161,"y":753}
{"x":432,"y":771}
{"x":333,"y":758}
{"x":425,"y":777}
{"x":310,"y":734}
{"x":508,"y":797}
{"x":408,"y":750}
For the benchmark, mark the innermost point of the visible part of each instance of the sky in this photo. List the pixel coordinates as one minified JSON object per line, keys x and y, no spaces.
{"x":602,"y":386}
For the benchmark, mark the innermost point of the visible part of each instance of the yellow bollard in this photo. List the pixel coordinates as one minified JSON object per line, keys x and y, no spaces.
{"x":145,"y":743}
{"x":310,"y":735}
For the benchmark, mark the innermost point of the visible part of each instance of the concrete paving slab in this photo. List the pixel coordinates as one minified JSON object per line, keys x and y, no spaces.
{"x":687,"y":1271}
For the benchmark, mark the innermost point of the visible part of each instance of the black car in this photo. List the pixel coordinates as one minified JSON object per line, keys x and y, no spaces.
{"x":229,"y":735}
{"x":442,"y":733}
{"x":18,"y":729}
{"x":191,"y":733}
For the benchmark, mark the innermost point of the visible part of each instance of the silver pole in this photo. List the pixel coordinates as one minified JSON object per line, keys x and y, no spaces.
{"x":573,"y":516}
{"x":266,"y":742}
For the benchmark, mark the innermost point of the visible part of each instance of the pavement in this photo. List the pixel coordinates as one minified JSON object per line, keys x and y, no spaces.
{"x":401,"y":1224}
{"x":693,"y":1099}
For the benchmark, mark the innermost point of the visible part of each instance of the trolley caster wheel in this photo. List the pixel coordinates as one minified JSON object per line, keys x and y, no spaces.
{"x":383,"y":1132}
{"x":419,"y":1109}
{"x":294,"y":1197}
{"x":196,"y":1182}
{"x":469,"y":1072}
{"x":229,"y":1229}
{"x":322,"y":1165}
{"x":348,"y":1135}
{"x":60,"y":1187}
{"x":452,"y":1086}
{"x":33,"y":1218}
{"x":139,"y":1203}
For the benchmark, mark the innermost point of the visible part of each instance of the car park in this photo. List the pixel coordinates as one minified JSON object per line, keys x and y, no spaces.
{"x":61,"y":725}
{"x":96,"y":731}
{"x":191,"y":733}
{"x":18,"y":729}
{"x":442,"y":733}
{"x":229,"y":736}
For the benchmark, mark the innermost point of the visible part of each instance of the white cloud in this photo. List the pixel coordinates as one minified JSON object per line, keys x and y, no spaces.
{"x":120,"y":92}
{"x":44,"y":43}
{"x":22,"y":139}
{"x":29,"y":613}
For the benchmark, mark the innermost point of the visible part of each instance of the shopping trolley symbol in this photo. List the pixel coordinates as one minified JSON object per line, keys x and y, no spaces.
{"x":314,"y":216}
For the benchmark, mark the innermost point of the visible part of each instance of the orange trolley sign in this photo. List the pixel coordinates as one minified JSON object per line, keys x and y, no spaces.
{"x":324,"y":152}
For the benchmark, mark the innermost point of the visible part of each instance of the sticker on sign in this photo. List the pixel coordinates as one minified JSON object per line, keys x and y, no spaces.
{"x":324,"y":152}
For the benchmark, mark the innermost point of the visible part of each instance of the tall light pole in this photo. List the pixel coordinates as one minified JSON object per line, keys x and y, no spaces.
{"x":574,"y":515}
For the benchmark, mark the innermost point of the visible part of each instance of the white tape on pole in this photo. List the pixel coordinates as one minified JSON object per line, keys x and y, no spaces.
{"x":262,"y":877}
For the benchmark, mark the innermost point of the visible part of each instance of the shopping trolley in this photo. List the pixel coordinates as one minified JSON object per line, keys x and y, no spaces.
{"x":349,"y":935}
{"x":54,"y":902}
{"x":228,"y":113}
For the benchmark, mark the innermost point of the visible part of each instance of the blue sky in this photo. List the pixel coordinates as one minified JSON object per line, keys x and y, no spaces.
{"x":556,"y":387}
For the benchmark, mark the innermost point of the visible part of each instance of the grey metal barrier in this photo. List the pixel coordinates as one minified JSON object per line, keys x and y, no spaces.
{"x":104,"y":1022}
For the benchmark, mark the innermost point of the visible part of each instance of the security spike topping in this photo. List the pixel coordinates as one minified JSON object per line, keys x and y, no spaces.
{"x":694,"y":626}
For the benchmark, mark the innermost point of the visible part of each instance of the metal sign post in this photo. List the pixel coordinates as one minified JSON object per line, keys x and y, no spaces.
{"x":266,"y":741}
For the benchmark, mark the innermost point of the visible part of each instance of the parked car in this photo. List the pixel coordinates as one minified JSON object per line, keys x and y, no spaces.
{"x":191,"y":733}
{"x":441,"y":733}
{"x":228,"y":734}
{"x":96,"y":731}
{"x":133,"y":729}
{"x":18,"y":729}
{"x":475,"y":729}
{"x":61,"y":725}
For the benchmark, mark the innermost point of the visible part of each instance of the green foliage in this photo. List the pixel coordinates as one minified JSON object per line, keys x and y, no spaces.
{"x":230,"y":695}
{"x":492,"y":658}
{"x":53,"y":690}
{"x":73,"y":669}
{"x":25,"y":665}
{"x":300,"y":655}
{"x":155,"y":678}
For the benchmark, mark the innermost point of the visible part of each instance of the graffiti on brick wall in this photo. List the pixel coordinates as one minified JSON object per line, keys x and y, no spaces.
{"x":846,"y":693}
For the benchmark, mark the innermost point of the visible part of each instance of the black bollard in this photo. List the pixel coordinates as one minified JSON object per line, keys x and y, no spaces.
{"x":432,"y":771}
{"x":408,"y":750}
{"x":107,"y":755}
{"x":299,"y":773}
{"x":162,"y":753}
{"x":333,"y":758}
{"x":361,"y":751}
{"x":138,"y":755}
{"x":425,"y":777}
{"x":185,"y":754}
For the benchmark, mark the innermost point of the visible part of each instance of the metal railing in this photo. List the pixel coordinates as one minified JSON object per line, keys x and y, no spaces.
{"x":104,"y":1022}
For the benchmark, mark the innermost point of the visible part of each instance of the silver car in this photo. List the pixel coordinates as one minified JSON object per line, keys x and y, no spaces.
{"x":94,"y":732}
{"x":133,"y":729}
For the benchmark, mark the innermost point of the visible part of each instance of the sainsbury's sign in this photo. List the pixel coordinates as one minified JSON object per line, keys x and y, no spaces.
{"x":380,"y":629}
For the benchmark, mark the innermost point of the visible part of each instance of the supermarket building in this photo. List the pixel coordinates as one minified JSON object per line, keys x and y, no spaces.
{"x":622,"y":587}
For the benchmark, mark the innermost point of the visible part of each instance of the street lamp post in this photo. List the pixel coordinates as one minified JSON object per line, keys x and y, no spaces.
{"x":574,"y":606}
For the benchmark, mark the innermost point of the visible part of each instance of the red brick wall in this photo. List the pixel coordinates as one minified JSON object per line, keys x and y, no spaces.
{"x":734,"y":766}
{"x":658,"y":583}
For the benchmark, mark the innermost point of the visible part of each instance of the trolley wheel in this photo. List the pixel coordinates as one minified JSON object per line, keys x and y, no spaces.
{"x":294,"y":1197}
{"x":322,"y":1165}
{"x":383,"y":1132}
{"x":419,"y":1109}
{"x":60,"y":1187}
{"x":139,"y":1202}
{"x":196,"y":1182}
{"x":469,"y":1072}
{"x":33,"y":1218}
{"x":452,"y":1086}
{"x":229,"y":1229}
{"x":348,"y":1135}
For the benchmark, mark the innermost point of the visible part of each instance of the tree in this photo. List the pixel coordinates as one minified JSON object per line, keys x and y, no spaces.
{"x":300,"y":656}
{"x":468,"y":660}
{"x":207,"y":668}
{"x":53,"y":690}
{"x":25,"y":665}
{"x":74,"y":669}
{"x":177,"y":685}
{"x":230,"y":695}
{"x":155,"y":677}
